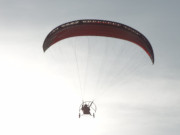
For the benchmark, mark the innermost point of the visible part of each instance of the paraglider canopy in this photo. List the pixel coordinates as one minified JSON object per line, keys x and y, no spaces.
{"x":92,"y":27}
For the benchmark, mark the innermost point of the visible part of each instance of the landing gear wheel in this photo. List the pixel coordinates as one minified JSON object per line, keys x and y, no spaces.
{"x":79,"y":115}
{"x":93,"y":115}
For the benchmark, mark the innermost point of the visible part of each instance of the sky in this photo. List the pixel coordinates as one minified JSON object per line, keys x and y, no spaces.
{"x":38,"y":98}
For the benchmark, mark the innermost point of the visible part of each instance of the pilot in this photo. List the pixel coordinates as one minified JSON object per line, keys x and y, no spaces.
{"x":86,"y":109}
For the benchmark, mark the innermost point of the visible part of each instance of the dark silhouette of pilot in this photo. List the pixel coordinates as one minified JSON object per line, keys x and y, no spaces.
{"x":86,"y":109}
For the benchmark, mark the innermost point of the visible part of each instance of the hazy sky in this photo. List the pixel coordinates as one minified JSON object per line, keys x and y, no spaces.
{"x":34,"y":99}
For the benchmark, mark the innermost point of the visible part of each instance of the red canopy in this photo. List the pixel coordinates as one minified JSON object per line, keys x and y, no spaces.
{"x":98,"y":28}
